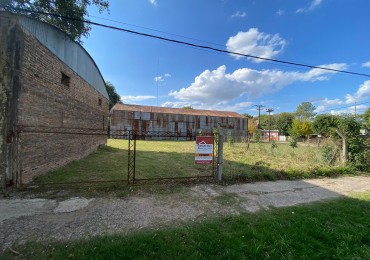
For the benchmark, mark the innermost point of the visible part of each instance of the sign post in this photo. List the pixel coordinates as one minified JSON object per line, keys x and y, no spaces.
{"x":204,"y":150}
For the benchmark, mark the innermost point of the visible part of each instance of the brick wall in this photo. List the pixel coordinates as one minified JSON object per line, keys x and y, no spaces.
{"x":56,"y":123}
{"x":10,"y":64}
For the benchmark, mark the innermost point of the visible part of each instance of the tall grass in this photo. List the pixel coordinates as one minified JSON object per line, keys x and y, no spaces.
{"x":161,"y":159}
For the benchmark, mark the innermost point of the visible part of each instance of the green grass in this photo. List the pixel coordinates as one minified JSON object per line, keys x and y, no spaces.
{"x":336,"y":229}
{"x":176,"y":159}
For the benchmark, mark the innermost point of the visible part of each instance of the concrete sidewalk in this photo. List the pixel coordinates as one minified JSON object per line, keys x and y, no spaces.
{"x":24,"y":220}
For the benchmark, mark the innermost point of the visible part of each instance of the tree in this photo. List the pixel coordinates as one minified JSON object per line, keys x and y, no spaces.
{"x":347,"y":128}
{"x":284,"y":122}
{"x":188,"y":107}
{"x":252,"y":126}
{"x":325,"y":125}
{"x":76,"y":9}
{"x":300,"y":128}
{"x":265,"y":121}
{"x":366,"y":117}
{"x":114,"y":98}
{"x":247,"y":115}
{"x":305,"y":111}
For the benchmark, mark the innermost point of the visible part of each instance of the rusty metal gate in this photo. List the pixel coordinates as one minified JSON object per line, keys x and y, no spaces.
{"x":182,"y":156}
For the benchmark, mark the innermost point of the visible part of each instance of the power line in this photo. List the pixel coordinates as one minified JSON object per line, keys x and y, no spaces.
{"x":155,"y":30}
{"x":204,"y":47}
{"x":336,"y":108}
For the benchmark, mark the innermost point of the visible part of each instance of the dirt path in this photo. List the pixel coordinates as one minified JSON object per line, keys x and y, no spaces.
{"x":24,"y":220}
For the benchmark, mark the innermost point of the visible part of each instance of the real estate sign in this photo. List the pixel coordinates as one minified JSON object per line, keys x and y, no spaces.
{"x":204,"y":150}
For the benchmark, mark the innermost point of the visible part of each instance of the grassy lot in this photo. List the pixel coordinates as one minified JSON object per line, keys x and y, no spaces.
{"x":337,"y":229}
{"x":176,"y":159}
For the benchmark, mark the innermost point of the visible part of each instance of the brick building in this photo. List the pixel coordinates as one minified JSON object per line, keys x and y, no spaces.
{"x":178,"y":121}
{"x":53,"y":100}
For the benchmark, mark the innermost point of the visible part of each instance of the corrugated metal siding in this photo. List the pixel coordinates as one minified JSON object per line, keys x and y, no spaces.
{"x":176,"y":111}
{"x":174,"y":123}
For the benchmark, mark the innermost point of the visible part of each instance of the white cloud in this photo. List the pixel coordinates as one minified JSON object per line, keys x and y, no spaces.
{"x":255,"y":43}
{"x":158,"y":78}
{"x":350,"y":110}
{"x":130,"y":99}
{"x":219,"y":88}
{"x":242,"y":106}
{"x":280,"y":12}
{"x":239,"y":14}
{"x":153,"y":2}
{"x":161,"y":78}
{"x":314,"y":4}
{"x":363,"y":93}
{"x":366,"y":64}
{"x":175,"y":104}
{"x":320,"y":109}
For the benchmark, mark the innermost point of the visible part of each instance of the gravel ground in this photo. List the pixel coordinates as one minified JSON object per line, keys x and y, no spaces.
{"x":23,"y":220}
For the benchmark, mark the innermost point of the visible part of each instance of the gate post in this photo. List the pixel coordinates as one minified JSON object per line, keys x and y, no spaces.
{"x":131,"y":157}
{"x":220,"y":152}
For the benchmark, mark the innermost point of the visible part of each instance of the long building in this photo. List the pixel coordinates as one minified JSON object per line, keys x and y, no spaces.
{"x":176,"y":121}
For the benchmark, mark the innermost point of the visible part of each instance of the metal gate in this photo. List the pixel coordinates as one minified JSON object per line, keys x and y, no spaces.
{"x":139,"y":138}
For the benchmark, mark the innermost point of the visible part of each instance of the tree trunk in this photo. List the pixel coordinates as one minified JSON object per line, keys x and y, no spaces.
{"x":344,"y":146}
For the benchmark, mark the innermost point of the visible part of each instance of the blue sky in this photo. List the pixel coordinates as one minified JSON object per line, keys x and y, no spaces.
{"x":331,"y":33}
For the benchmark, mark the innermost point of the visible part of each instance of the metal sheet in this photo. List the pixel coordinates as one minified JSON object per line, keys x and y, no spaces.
{"x":71,"y":53}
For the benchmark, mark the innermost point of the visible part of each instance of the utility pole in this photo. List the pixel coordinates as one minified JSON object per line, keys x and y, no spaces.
{"x":259,"y":108}
{"x":269,"y":110}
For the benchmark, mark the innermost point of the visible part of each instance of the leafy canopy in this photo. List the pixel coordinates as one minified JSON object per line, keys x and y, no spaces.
{"x":305,"y":111}
{"x":284,"y":122}
{"x":366,"y":117}
{"x":300,"y":128}
{"x":325,"y":125}
{"x":68,"y":8}
{"x":114,"y":98}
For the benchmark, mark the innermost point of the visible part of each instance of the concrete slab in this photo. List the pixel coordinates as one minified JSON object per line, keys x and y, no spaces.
{"x":72,"y":204}
{"x":25,"y":207}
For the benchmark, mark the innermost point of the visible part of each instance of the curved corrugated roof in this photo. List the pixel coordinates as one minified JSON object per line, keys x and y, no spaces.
{"x":179,"y":111}
{"x":70,"y":52}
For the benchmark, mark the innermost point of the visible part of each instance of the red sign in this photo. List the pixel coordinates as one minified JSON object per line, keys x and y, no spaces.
{"x":204,"y":150}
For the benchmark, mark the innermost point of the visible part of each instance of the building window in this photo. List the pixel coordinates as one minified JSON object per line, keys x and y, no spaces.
{"x":99,"y":101}
{"x":65,"y":80}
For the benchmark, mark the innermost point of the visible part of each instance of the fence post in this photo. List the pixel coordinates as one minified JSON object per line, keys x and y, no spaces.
{"x":220,"y":156}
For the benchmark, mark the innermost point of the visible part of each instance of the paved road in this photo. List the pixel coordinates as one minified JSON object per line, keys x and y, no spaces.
{"x":24,"y":220}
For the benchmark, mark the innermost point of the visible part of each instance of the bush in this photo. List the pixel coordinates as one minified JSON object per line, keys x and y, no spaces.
{"x":328,"y":152}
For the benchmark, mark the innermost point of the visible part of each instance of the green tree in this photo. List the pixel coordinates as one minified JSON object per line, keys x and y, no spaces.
{"x":114,"y":98}
{"x":366,"y":117}
{"x":188,"y":107}
{"x":325,"y":125}
{"x":300,"y":128}
{"x":247,"y":115}
{"x":284,"y":122}
{"x":67,"y":8}
{"x":265,"y":121}
{"x":305,"y":111}
{"x":347,"y":128}
{"x":358,"y":151}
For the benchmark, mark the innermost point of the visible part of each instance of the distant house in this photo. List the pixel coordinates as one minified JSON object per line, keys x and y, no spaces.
{"x":274,"y":135}
{"x":178,"y":121}
{"x":54,"y":103}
